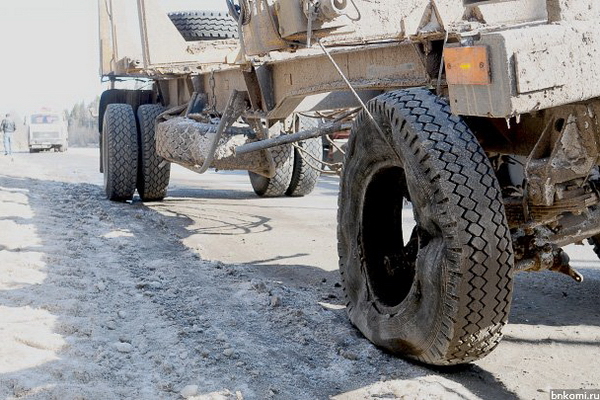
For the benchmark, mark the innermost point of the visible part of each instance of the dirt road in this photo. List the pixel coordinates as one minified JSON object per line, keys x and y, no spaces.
{"x":102,"y":300}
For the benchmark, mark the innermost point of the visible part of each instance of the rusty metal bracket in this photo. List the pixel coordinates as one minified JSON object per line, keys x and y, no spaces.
{"x":335,"y":126}
{"x":535,"y":251}
{"x":259,"y":82}
{"x":565,"y":268}
{"x":573,"y":152}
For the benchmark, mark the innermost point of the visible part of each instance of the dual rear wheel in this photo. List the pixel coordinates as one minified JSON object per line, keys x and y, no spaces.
{"x":297,"y":171}
{"x":129,"y":159}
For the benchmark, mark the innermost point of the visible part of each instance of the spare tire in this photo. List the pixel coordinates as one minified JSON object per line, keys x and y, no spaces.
{"x":204,"y":25}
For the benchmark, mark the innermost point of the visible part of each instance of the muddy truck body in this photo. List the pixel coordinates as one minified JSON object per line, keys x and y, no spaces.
{"x":473,"y":153}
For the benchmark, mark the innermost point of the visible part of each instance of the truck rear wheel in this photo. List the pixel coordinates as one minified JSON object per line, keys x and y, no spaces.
{"x":121,"y":96}
{"x":153,"y":171}
{"x":304,"y":174}
{"x":120,"y":150}
{"x":440,"y":293}
{"x":277,"y":185}
{"x":204,"y":25}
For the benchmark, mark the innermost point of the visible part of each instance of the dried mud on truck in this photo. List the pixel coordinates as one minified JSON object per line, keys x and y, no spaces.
{"x":473,"y":151}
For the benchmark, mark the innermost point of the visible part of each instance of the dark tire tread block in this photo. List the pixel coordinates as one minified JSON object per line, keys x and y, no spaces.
{"x":120,"y":161}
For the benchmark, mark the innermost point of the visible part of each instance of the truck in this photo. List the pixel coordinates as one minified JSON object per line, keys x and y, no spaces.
{"x":47,"y":130}
{"x":473,"y":150}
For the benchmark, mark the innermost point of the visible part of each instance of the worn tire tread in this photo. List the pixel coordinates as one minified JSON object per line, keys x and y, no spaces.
{"x":479,"y":279}
{"x":121,"y":150}
{"x":204,"y":25}
{"x":154,"y":171}
{"x":277,"y":185}
{"x":304,"y":176}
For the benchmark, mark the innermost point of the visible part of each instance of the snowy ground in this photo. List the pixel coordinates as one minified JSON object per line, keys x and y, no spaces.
{"x":102,"y":300}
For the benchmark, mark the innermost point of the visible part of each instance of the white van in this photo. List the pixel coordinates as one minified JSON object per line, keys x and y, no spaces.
{"x":47,"y":130}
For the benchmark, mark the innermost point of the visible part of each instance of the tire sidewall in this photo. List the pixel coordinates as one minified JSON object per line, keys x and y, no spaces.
{"x":259,"y":183}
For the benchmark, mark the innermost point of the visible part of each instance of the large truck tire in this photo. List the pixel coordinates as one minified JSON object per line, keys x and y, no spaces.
{"x":205,"y":25}
{"x":120,"y":149}
{"x":121,"y":96}
{"x":278,"y":185}
{"x":153,"y":171}
{"x":443,"y":296}
{"x":304,"y":173}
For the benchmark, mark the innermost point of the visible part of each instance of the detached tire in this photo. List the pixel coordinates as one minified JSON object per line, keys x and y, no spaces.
{"x":304,"y":176}
{"x":204,"y":25}
{"x":278,"y":185}
{"x":120,"y":149}
{"x":153,"y":178}
{"x":442,"y":296}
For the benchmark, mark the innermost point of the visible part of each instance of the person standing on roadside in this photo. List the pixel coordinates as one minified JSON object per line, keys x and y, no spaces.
{"x":8,"y":127}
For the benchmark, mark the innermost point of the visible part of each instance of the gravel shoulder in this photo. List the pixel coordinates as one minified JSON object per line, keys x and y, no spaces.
{"x":177,"y":300}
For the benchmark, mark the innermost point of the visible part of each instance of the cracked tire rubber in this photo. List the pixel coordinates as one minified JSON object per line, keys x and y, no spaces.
{"x":305,"y":177}
{"x":153,"y":178}
{"x":442,"y":297}
{"x":205,"y":25}
{"x":120,"y":147}
{"x":278,"y":185}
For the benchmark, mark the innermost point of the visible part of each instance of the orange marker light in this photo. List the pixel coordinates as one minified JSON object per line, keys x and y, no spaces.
{"x":467,"y":65}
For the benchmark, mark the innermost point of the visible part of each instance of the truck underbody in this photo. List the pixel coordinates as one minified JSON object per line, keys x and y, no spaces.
{"x":479,"y":121}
